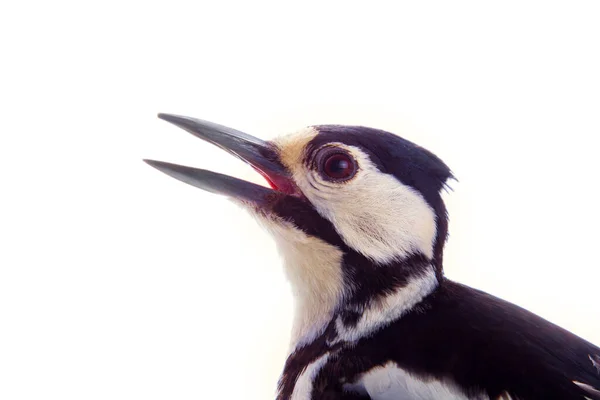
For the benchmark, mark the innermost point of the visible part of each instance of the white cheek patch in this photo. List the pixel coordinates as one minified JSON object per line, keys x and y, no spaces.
{"x":374,"y":213}
{"x":314,"y":269}
{"x":390,"y":382}
{"x":384,"y":311}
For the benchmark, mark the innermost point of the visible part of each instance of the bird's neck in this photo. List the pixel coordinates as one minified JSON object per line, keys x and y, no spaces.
{"x":356,"y":299}
{"x":390,"y":293}
{"x":313,"y":268}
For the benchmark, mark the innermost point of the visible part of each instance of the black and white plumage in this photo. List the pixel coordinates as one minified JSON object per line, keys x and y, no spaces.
{"x":359,"y":220}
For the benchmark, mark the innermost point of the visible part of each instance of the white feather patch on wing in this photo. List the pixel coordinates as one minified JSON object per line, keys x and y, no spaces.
{"x":384,"y":311}
{"x":595,"y":359}
{"x":589,"y":389}
{"x":505,"y":396}
{"x":390,"y":382}
{"x":304,"y":384}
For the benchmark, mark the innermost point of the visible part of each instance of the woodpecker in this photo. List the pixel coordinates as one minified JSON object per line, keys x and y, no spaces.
{"x":359,"y":221}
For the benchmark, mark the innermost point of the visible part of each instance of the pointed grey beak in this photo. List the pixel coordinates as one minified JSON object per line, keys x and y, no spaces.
{"x":216,"y":183}
{"x":261,"y":155}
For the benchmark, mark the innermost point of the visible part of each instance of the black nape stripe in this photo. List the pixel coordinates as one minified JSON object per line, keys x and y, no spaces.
{"x":375,"y":281}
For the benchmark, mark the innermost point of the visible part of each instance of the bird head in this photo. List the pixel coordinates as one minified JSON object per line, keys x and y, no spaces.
{"x":356,"y":212}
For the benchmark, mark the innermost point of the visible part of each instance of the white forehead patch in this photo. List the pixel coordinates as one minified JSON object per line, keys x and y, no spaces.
{"x":314,"y":269}
{"x":291,"y":147}
{"x":374,"y":213}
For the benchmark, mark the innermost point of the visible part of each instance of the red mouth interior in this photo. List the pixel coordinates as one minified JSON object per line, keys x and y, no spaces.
{"x":279,"y":183}
{"x":269,"y":181}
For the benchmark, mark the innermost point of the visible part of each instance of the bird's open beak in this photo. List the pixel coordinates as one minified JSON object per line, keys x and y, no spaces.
{"x":261,"y":155}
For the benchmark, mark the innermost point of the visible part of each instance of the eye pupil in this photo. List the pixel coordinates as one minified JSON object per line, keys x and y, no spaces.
{"x":339,"y":166}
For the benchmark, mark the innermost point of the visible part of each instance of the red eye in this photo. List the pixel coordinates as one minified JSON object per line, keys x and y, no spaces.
{"x":339,"y":166}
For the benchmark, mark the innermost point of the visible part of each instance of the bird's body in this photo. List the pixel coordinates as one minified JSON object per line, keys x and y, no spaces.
{"x":457,"y":343}
{"x":359,"y":221}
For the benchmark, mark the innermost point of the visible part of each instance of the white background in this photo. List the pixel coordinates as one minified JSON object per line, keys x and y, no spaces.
{"x":117,"y":282}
